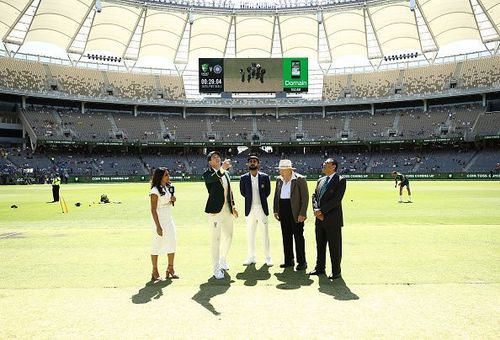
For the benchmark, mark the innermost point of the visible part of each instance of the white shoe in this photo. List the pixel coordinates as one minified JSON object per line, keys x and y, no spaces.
{"x":249,"y":261}
{"x":224,"y":266}
{"x":269,"y":263}
{"x":219,"y":274}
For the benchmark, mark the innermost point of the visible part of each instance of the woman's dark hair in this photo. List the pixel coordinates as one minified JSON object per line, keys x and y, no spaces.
{"x":156,"y":179}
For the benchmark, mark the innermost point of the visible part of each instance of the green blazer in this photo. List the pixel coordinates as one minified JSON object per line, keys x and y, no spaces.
{"x":213,"y":182}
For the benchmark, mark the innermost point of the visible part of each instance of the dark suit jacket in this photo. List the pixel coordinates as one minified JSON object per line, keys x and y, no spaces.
{"x":299,"y":196}
{"x":264,"y":191}
{"x":330,"y":203}
{"x":213,"y":182}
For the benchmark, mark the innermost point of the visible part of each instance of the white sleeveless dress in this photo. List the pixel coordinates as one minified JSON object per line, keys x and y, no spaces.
{"x":165,"y":244}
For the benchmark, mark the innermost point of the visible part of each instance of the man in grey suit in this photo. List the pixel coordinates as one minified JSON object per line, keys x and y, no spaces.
{"x":327,"y":205}
{"x":291,"y":199}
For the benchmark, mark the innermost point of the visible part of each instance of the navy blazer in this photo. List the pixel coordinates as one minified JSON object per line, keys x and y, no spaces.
{"x":264,"y":191}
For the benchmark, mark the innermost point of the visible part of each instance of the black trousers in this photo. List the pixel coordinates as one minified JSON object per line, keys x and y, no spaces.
{"x":55,"y":193}
{"x":331,"y":236}
{"x":291,"y":230}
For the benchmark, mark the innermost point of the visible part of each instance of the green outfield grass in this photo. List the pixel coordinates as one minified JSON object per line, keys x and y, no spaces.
{"x":426,"y":269}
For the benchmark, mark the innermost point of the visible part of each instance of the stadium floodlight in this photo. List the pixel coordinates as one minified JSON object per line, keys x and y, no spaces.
{"x":319,"y":17}
{"x":401,"y":56}
{"x":98,"y":6}
{"x":412,"y":5}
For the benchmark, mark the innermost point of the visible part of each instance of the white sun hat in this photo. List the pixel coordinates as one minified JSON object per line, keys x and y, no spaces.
{"x":285,"y":164}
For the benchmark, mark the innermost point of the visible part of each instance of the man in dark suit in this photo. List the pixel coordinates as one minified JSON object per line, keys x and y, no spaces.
{"x":220,"y":209}
{"x":327,"y":205}
{"x":291,"y":199}
{"x":255,"y":186}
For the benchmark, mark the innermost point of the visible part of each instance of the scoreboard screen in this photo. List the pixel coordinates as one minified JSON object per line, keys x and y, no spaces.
{"x":253,"y":75}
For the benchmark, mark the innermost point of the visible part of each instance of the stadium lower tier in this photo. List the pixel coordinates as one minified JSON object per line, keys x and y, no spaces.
{"x":22,"y":164}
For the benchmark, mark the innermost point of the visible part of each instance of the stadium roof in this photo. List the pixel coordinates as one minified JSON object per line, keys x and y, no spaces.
{"x":181,"y":32}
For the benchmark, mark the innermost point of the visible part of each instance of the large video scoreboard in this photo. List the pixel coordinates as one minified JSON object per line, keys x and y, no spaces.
{"x":253,"y":75}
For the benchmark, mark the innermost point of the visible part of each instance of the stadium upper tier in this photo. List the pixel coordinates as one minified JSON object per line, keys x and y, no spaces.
{"x":470,"y":74}
{"x":80,"y":82}
{"x":32,"y":78}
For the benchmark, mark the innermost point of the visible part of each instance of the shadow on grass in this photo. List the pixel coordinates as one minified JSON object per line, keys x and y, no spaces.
{"x":336,"y":288}
{"x":211,"y":289}
{"x":151,"y":290}
{"x":251,"y":275}
{"x":292,"y":279}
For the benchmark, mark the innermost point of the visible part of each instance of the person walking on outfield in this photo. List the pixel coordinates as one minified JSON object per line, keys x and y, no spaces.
{"x":164,"y":240}
{"x":220,"y":209}
{"x":56,"y":185}
{"x":327,"y":205}
{"x":255,"y":186}
{"x":291,"y":199}
{"x":403,"y":182}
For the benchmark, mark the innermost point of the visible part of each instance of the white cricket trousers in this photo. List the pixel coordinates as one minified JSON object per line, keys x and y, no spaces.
{"x":222,"y":235}
{"x":254,"y":218}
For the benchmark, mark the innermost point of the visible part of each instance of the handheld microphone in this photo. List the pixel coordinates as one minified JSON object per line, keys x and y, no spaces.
{"x":171,"y":190}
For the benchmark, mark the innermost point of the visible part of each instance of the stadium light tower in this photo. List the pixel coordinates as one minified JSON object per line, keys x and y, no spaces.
{"x":412,"y":5}
{"x":98,"y":6}
{"x":319,"y":17}
{"x":190,"y":17}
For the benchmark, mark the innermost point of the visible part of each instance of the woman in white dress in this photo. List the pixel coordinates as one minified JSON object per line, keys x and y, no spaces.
{"x":163,"y":227}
